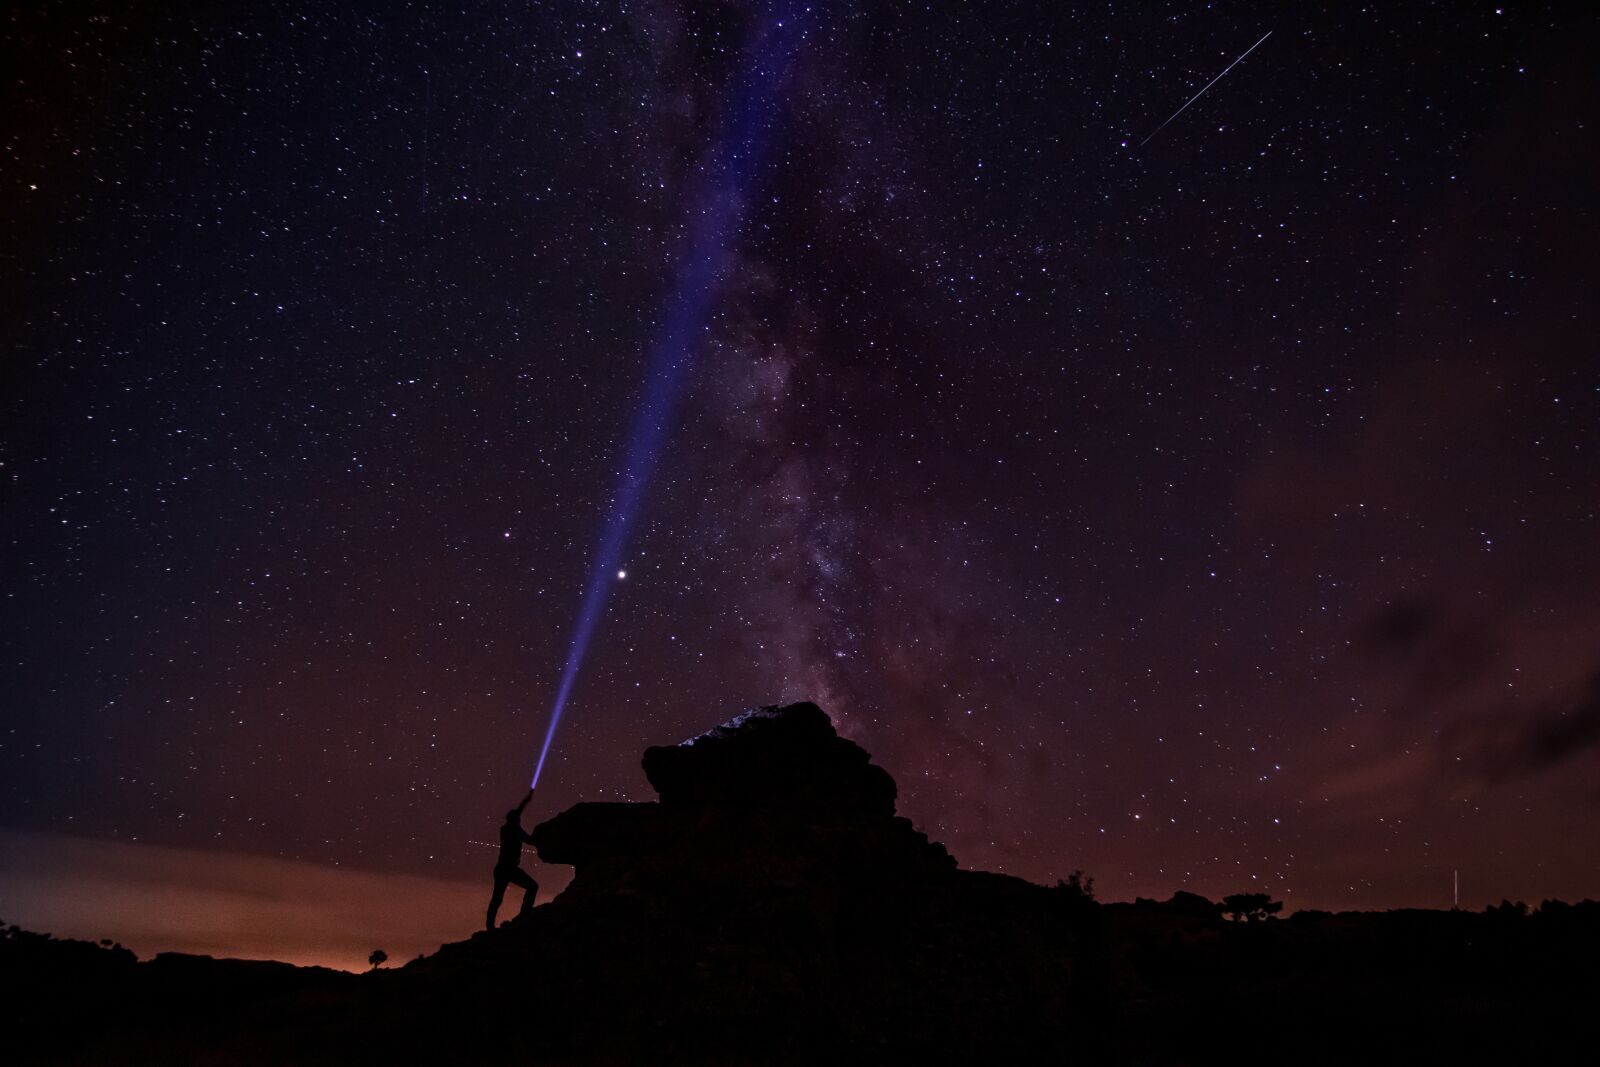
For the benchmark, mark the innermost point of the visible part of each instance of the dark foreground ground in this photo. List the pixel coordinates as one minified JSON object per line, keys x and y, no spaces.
{"x":770,"y":907}
{"x":1162,"y":987}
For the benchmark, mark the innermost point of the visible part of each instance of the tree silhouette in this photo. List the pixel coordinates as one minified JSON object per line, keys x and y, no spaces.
{"x":1250,"y":907}
{"x":1078,"y":886}
{"x":378,"y":958}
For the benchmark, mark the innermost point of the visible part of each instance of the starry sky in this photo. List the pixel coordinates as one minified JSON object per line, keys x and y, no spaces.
{"x":1217,"y":513}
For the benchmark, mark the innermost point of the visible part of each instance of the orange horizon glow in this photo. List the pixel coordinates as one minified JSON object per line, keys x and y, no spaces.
{"x":160,"y":898}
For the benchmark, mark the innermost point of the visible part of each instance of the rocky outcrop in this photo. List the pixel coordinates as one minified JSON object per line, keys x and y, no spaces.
{"x":773,"y":758}
{"x":772,"y":799}
{"x":771,"y":907}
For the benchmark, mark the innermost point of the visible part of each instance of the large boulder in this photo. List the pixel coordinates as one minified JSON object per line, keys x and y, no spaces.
{"x":772,"y":757}
{"x":772,"y":797}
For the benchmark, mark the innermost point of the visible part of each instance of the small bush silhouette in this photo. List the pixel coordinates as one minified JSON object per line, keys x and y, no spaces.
{"x":378,"y":958}
{"x":1250,"y":907}
{"x":1077,"y":886}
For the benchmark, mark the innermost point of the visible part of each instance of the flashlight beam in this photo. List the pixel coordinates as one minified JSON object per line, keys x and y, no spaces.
{"x":717,"y":211}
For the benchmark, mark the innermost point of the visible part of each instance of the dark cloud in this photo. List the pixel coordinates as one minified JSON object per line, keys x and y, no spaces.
{"x":1513,"y":743}
{"x":1398,"y":627}
{"x":1438,"y":648}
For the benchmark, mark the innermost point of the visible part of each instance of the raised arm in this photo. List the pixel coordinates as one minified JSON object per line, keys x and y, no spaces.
{"x":526,"y":836}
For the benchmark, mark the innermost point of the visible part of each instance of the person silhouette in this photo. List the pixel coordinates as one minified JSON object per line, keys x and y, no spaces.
{"x":508,"y":868}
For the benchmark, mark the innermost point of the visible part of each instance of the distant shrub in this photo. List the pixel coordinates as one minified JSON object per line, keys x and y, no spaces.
{"x":1250,"y":907}
{"x":1508,"y":910}
{"x":1310,"y":915}
{"x":378,"y":958}
{"x":1077,"y":887}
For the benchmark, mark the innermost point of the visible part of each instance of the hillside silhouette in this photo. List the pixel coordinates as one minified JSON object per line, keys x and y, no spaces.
{"x":771,"y":907}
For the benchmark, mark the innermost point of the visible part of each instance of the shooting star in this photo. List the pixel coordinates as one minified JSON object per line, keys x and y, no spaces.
{"x":1202,"y":92}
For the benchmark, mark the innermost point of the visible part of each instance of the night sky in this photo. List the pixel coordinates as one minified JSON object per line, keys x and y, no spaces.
{"x":1221,"y":513}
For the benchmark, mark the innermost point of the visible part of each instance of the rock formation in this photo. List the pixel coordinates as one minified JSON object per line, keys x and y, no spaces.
{"x":770,"y":803}
{"x":771,"y":906}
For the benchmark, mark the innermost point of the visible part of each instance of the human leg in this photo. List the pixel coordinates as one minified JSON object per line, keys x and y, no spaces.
{"x":530,"y":888}
{"x":495,"y":899}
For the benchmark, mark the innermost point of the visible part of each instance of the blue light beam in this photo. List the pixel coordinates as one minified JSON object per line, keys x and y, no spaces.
{"x":718,"y":212}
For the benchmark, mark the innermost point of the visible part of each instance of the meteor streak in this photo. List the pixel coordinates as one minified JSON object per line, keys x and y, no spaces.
{"x":716,"y":213}
{"x":1202,"y":92}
